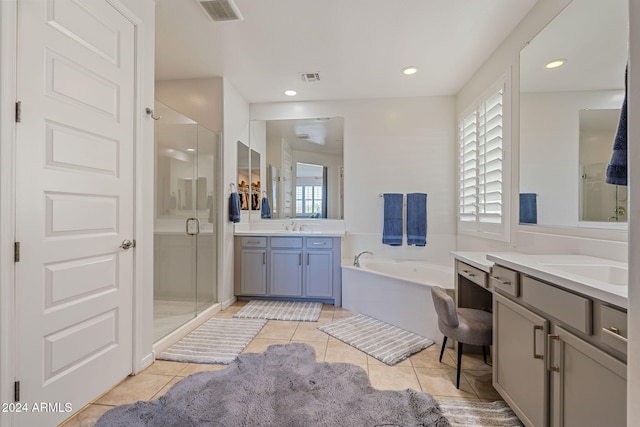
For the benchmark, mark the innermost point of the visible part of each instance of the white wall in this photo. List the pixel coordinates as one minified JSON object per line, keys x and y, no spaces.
{"x":633,"y":120}
{"x":236,"y":128}
{"x":198,"y":99}
{"x":390,"y":145}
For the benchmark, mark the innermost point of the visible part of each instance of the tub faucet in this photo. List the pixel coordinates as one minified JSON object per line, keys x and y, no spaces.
{"x":356,"y":259}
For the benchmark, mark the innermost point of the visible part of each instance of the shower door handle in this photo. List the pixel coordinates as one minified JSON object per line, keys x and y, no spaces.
{"x":192,"y":226}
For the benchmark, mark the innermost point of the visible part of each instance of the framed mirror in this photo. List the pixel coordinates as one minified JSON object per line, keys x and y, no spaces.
{"x":561,"y":106}
{"x":255,"y":181}
{"x":244,"y":176}
{"x":303,"y":167}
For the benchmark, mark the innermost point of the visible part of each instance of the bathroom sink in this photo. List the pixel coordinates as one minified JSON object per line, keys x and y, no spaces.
{"x":611,"y":274}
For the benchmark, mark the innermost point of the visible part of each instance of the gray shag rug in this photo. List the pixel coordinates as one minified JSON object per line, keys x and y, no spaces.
{"x":284,"y":387}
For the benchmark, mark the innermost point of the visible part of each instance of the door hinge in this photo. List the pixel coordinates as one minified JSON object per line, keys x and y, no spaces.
{"x":16,"y":391}
{"x":16,"y":252}
{"x":18,"y":111}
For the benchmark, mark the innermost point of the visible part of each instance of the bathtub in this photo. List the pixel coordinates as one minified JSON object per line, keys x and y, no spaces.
{"x":397,"y":292}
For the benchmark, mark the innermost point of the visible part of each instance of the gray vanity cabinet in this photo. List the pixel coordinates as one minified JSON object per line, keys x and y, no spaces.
{"x":559,"y":356}
{"x":253,"y":255}
{"x":518,"y":350}
{"x":588,"y":386}
{"x":286,"y":266}
{"x":319,"y":267}
{"x":289,"y":267}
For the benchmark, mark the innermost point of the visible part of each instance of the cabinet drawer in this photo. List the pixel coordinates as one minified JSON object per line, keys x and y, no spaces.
{"x":504,"y":279}
{"x":319,"y":243}
{"x":614,"y":328}
{"x":574,"y":310}
{"x":254,"y":242}
{"x":476,"y":275}
{"x":286,"y":242}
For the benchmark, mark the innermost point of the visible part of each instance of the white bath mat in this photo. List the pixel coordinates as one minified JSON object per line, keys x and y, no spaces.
{"x":281,"y":310}
{"x":475,"y":414}
{"x":218,"y":340}
{"x":385,"y":342}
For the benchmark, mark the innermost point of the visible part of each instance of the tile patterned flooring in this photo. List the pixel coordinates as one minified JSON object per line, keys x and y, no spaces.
{"x":421,"y":371}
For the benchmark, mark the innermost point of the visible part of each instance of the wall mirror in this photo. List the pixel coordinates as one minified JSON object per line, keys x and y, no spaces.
{"x":564,"y":110}
{"x":302,"y":170}
{"x":244,"y":175}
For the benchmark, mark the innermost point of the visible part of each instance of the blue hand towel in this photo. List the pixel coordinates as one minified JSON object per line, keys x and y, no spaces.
{"x":265,"y":211}
{"x":234,"y":207}
{"x":417,"y":219}
{"x":528,"y":208}
{"x":617,"y":168}
{"x":392,"y":223}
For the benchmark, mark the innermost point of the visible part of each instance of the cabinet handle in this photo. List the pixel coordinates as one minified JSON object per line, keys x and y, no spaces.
{"x":535,"y":353}
{"x":613,"y":329}
{"x":468,"y":273}
{"x":264,"y":257}
{"x":253,"y":241}
{"x":300,"y":259}
{"x":308,"y":256}
{"x":319,"y":243}
{"x":550,"y":366}
{"x":502,"y":282}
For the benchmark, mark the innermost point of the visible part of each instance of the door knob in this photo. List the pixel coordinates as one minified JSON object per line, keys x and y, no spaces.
{"x":128,"y":244}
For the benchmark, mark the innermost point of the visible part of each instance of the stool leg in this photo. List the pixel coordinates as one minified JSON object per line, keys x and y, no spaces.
{"x":444,"y":343}
{"x":459,"y":364}
{"x":484,"y":353}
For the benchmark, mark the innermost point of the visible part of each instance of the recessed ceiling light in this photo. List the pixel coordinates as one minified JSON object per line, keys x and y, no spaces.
{"x":191,"y":150}
{"x":409,"y":70}
{"x":290,"y":92}
{"x":556,"y":63}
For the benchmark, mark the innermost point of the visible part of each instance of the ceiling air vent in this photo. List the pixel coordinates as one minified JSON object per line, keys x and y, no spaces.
{"x":220,"y":10}
{"x":310,"y":77}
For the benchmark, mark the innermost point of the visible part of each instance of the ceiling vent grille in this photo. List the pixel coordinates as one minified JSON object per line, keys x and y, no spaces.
{"x":220,"y":10}
{"x":310,"y":77}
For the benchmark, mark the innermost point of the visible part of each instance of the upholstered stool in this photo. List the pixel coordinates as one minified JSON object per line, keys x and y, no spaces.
{"x":465,"y":325}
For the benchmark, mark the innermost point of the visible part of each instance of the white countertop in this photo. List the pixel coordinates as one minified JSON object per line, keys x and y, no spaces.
{"x":542,"y":267}
{"x":475,"y":259}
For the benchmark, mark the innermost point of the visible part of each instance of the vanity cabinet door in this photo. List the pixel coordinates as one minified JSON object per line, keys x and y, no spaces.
{"x":286,"y":273}
{"x":519,"y":373}
{"x":319,"y":274}
{"x":253,"y":273}
{"x":588,"y":386}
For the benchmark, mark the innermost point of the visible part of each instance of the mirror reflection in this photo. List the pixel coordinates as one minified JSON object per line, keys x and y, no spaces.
{"x":244,"y":175}
{"x":599,"y":201}
{"x":303,"y":167}
{"x":560,"y":110}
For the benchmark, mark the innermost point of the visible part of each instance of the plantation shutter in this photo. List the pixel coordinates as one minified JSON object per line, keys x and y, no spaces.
{"x":468,"y":169}
{"x":482,"y":165}
{"x":490,"y":156}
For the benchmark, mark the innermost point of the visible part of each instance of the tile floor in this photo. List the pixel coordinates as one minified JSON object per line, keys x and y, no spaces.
{"x":421,"y":371}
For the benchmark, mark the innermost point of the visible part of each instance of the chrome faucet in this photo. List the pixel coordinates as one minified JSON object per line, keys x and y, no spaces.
{"x":356,"y":259}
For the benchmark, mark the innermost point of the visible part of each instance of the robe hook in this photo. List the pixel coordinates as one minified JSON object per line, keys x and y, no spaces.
{"x":149,"y":112}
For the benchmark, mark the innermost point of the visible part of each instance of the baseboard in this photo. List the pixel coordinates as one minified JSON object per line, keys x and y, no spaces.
{"x":145,"y":362}
{"x":226,"y":304}
{"x":175,"y":336}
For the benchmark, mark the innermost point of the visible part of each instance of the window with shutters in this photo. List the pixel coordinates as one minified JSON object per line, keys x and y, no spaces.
{"x":483,"y":187}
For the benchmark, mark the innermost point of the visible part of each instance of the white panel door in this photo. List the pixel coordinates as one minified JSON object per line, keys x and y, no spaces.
{"x":75,"y":145}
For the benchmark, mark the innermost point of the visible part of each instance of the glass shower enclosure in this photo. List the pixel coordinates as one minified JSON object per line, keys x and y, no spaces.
{"x":185,"y":238}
